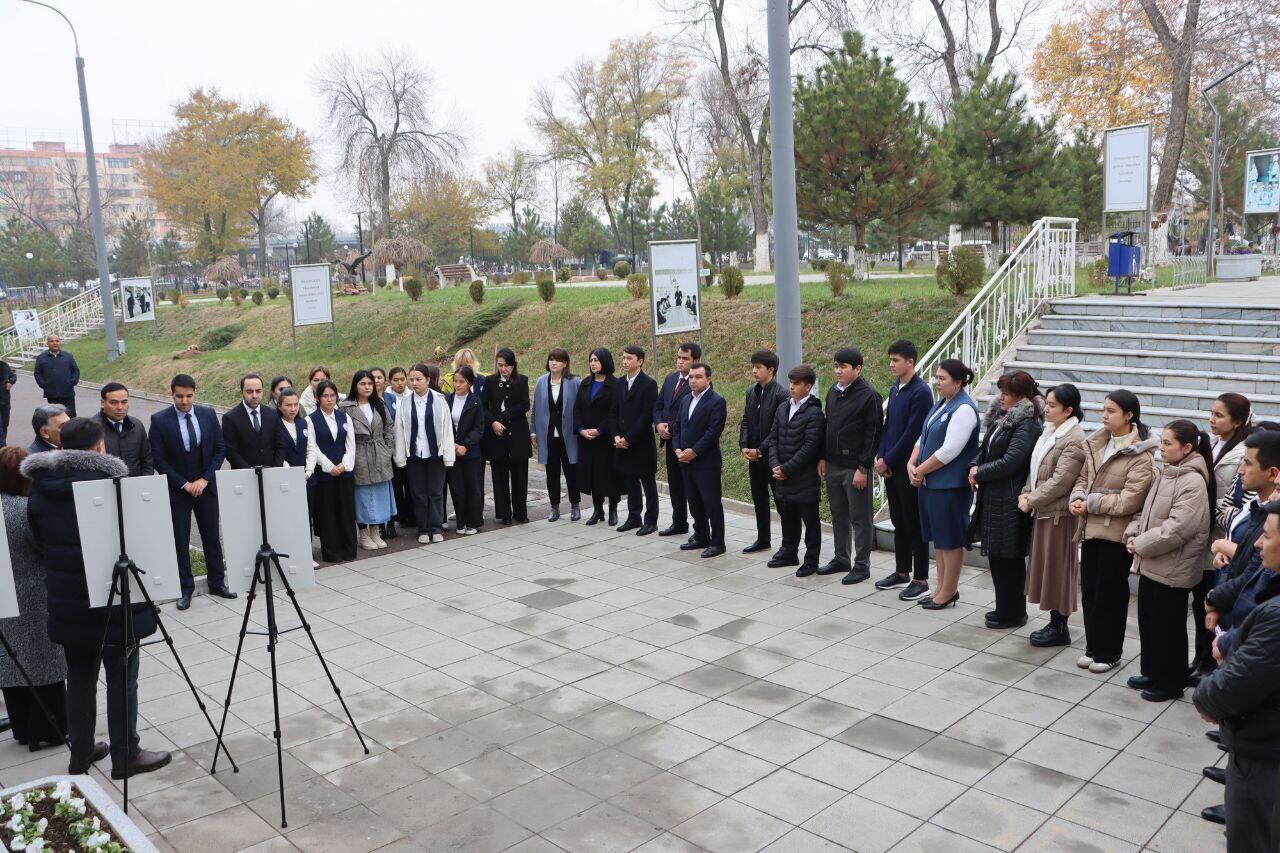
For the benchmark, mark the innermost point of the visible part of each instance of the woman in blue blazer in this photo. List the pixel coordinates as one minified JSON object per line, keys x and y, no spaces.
{"x":552,"y":431}
{"x":331,"y":456}
{"x":466,"y":477}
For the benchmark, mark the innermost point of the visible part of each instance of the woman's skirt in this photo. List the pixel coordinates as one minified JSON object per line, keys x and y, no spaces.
{"x":944,"y":516}
{"x":1053,"y":574}
{"x":375,"y":503}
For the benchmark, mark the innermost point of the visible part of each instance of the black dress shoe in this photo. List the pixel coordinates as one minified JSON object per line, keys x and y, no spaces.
{"x":221,"y":592}
{"x":389,"y":531}
{"x":856,"y":576}
{"x":784,"y":560}
{"x":629,"y":524}
{"x":1154,"y":694}
{"x":184,"y":602}
{"x":998,"y":624}
{"x":646,"y":529}
{"x":613,"y":516}
{"x":6,"y":724}
{"x":505,"y":522}
{"x":1214,"y":814}
{"x":1214,"y":735}
{"x":144,"y":762}
{"x":694,"y":545}
{"x":100,"y":751}
{"x":554,"y":515}
{"x":756,"y":546}
{"x":834,"y":568}
{"x":596,"y":518}
{"x":806,"y":570}
{"x":1050,"y":636}
{"x":713,"y":551}
{"x":1215,"y":774}
{"x":522,"y":519}
{"x":674,"y":530}
{"x":575,"y":512}
{"x":1138,"y":682}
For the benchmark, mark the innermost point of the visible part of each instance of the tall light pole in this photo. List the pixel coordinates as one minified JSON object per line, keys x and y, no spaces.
{"x":1213,"y":166}
{"x":785,"y":239}
{"x":95,"y":200}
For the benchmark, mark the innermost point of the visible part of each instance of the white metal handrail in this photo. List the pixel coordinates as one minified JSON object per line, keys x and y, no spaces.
{"x":70,"y":318}
{"x":1040,"y":269}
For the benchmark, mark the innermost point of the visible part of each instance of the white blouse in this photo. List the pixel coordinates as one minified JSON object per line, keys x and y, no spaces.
{"x":315,"y":457}
{"x":458,"y":404}
{"x":964,"y":420}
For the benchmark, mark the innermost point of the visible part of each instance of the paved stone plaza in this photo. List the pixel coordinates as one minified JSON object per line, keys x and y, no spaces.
{"x":553,"y":686}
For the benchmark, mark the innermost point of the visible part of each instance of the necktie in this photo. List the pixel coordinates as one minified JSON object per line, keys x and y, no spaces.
{"x":254,"y":416}
{"x":679,"y":385}
{"x":192,"y":443}
{"x":119,"y":427}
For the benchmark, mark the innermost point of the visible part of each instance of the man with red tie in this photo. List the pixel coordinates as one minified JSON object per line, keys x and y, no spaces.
{"x":674,"y":388}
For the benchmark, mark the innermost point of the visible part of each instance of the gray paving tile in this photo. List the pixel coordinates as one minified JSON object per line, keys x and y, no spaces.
{"x":909,"y":790}
{"x":856,"y":823}
{"x":543,"y":803}
{"x":1031,"y":785}
{"x":789,"y":796}
{"x":992,"y":820}
{"x":723,"y":770}
{"x":607,"y":773}
{"x":1116,"y":814}
{"x":604,"y":828}
{"x":553,"y":748}
{"x":730,"y":826}
{"x":885,"y":737}
{"x":357,"y":829}
{"x":493,"y":773}
{"x":954,"y":759}
{"x":775,"y":742}
{"x":666,"y":800}
{"x":479,"y":829}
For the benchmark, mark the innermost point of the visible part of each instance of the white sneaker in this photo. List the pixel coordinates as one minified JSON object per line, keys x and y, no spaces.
{"x":1085,"y":662}
{"x":436,"y":537}
{"x":469,"y":531}
{"x":375,"y":535}
{"x":366,"y":541}
{"x":425,"y":539}
{"x":1099,"y":666}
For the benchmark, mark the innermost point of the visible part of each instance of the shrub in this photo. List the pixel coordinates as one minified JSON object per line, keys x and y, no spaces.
{"x":731,"y":282}
{"x":621,"y":269}
{"x":961,"y":271}
{"x":432,"y":283}
{"x":273,"y":292}
{"x":638,"y":285}
{"x":564,"y":274}
{"x":288,"y":292}
{"x":221,"y":337}
{"x":546,"y":285}
{"x":837,"y":277}
{"x":477,"y":291}
{"x":413,"y":287}
{"x":222,"y":293}
{"x":174,"y":296}
{"x":244,"y":294}
{"x":237,"y":299}
{"x":258,"y":297}
{"x":601,"y":273}
{"x":819,"y":264}
{"x":1097,"y":272}
{"x":520,"y":277}
{"x":496,"y":279}
{"x":484,"y":319}
{"x":269,"y":282}
{"x":183,"y":301}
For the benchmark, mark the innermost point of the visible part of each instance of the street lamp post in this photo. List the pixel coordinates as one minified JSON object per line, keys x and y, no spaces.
{"x":31,"y":271}
{"x":1211,"y":243}
{"x":786,"y":242}
{"x":95,"y":199}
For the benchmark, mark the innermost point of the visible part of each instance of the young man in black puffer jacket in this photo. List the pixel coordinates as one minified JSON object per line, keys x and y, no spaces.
{"x":792,"y":451}
{"x":51,"y":511}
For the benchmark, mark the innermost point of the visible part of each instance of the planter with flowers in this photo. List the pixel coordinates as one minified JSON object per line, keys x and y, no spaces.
{"x":60,"y":813}
{"x":1238,"y":264}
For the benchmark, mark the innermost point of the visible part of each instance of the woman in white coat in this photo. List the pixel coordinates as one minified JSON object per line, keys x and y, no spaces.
{"x":424,"y":448}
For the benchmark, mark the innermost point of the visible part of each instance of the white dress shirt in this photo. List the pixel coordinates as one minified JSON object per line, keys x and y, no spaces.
{"x":315,"y":457}
{"x":422,"y":450}
{"x":693,"y":401}
{"x":459,"y":401}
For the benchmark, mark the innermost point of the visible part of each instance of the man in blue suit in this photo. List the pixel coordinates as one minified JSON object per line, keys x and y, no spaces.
{"x":675,"y":388}
{"x":187,"y":447}
{"x":696,"y":440}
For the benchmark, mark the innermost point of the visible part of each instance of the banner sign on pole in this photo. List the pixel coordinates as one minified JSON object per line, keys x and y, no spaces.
{"x":137,"y":299}
{"x":1262,"y":181}
{"x":26,"y":321}
{"x":1126,"y":159}
{"x":312,"y":294}
{"x":674,"y":286}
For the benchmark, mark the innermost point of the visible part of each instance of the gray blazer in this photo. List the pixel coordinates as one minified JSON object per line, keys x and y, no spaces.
{"x":540,"y":420}
{"x":375,"y":444}
{"x":28,"y":633}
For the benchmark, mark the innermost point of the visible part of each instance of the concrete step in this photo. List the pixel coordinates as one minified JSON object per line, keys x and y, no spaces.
{"x":1160,"y":325}
{"x":1186,"y":343}
{"x":1123,"y":355}
{"x":1140,"y":306}
{"x":1049,"y":373}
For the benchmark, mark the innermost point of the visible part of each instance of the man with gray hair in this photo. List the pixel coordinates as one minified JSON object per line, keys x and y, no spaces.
{"x":46,"y":423}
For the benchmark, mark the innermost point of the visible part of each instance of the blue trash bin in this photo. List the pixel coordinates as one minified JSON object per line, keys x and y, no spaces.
{"x":1124,"y":259}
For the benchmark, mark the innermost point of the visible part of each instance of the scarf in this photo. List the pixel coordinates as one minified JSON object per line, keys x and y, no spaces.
{"x":1048,"y":438}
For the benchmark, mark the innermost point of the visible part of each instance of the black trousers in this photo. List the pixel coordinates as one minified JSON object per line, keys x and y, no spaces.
{"x":1104,"y":594}
{"x":28,"y":720}
{"x":703,"y":489}
{"x":1162,"y":625}
{"x":1203,"y":655}
{"x":333,"y":503}
{"x":763,"y":486}
{"x":466,"y":484}
{"x":424,"y":479}
{"x":638,"y":487}
{"x":4,"y":423}
{"x":82,"y":702}
{"x":510,"y":488}
{"x":676,"y":486}
{"x":205,"y":508}
{"x":404,"y":499}
{"x":1251,"y":797}
{"x":1009,"y":578}
{"x":794,"y":514}
{"x":69,"y":402}
{"x":910,"y":551}
{"x":558,"y":459}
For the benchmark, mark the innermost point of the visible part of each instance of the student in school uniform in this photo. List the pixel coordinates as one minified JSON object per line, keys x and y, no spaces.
{"x":592,"y":416}
{"x":331,"y":456}
{"x":552,"y":431}
{"x":466,"y":477}
{"x":424,"y":449}
{"x":396,"y":390}
{"x":506,"y":441}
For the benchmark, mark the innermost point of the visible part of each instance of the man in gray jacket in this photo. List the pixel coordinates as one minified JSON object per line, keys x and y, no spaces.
{"x":124,"y":435}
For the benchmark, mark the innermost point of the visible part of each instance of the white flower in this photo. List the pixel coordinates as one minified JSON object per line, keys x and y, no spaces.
{"x":35,"y":845}
{"x":98,"y":839}
{"x":15,"y":823}
{"x":42,"y":825}
{"x":18,"y":802}
{"x":17,"y":843}
{"x":77,"y":804}
{"x":62,"y":791}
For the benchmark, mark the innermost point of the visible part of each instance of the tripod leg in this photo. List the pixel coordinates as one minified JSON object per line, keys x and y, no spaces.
{"x":262,"y":565}
{"x":44,"y":709}
{"x":231,"y":685}
{"x":306,"y":626}
{"x":168,"y":639}
{"x":128,"y":648}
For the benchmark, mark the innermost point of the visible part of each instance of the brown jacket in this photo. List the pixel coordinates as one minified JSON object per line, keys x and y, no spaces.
{"x":1115,"y":489}
{"x":1057,"y":476}
{"x":1171,"y":534}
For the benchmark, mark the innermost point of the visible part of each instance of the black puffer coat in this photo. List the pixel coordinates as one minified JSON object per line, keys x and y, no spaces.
{"x":1004,"y":462}
{"x":796,"y":445}
{"x":51,"y":510}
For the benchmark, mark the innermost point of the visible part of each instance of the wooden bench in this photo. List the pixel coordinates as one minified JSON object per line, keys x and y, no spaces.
{"x":455,"y":274}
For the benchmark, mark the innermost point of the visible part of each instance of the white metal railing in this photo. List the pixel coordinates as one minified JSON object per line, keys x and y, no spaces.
{"x":1041,"y":269}
{"x":70,"y":318}
{"x":1188,"y":271}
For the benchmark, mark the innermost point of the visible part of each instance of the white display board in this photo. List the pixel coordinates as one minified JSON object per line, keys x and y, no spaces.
{"x":1126,"y":159}
{"x":288,"y":524}
{"x":148,"y":533}
{"x":137,"y":299}
{"x":312,"y":294}
{"x":26,"y":321}
{"x":674,"y":296}
{"x":1262,"y":181}
{"x":8,"y":590}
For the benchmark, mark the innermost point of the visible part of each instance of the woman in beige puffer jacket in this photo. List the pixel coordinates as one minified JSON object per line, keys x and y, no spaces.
{"x":1168,"y":540}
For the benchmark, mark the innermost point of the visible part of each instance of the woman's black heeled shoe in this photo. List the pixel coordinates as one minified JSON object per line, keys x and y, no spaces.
{"x":596,"y":517}
{"x":613,"y":515}
{"x":932,"y":604}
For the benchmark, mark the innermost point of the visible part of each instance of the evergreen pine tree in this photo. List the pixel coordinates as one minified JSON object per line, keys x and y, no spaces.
{"x":131,"y":250}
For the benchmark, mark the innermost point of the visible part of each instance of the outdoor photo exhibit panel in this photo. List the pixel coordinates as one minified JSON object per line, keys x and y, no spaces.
{"x":26,"y":322}
{"x":1262,"y":181}
{"x":675,"y":299}
{"x":1127,"y":164}
{"x":288,"y":528}
{"x":148,"y":533}
{"x":137,"y":299}
{"x":312,"y":294}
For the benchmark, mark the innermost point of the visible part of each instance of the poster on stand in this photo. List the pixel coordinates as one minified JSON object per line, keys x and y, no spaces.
{"x":1262,"y":181}
{"x":674,"y":293}
{"x":1126,"y":158}
{"x":312,"y":294}
{"x":26,"y":321}
{"x":137,"y":299}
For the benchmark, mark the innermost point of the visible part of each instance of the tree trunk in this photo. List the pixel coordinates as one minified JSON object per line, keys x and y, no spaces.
{"x":899,"y":253}
{"x":262,"y":242}
{"x":613,"y":225}
{"x":759,"y":212}
{"x":384,"y":197}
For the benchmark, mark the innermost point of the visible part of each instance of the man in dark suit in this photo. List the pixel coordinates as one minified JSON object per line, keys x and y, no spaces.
{"x":675,"y":387}
{"x":763,"y":399}
{"x":57,"y":374}
{"x":124,"y":436}
{"x":187,"y":447}
{"x":634,"y":455}
{"x":251,"y":431}
{"x":46,"y":423}
{"x":7,"y":380}
{"x":696,"y":439}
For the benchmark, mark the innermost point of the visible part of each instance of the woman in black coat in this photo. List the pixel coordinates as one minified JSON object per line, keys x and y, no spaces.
{"x":466,"y":477}
{"x":591,"y":417}
{"x":1013,"y":424}
{"x":506,"y":441}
